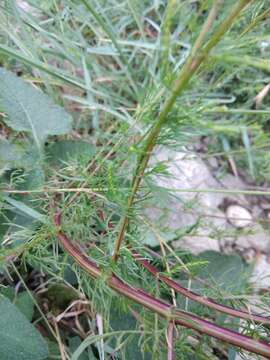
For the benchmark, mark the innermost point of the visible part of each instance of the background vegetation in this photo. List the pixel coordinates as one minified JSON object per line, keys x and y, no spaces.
{"x":82,"y":85}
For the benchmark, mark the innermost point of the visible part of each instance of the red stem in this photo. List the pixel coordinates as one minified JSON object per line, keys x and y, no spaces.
{"x":160,"y":307}
{"x":199,"y":298}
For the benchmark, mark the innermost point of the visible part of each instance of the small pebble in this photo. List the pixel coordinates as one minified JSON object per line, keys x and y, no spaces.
{"x":238,"y":216}
{"x":265,"y":206}
{"x":249,"y":255}
{"x":213,"y":163}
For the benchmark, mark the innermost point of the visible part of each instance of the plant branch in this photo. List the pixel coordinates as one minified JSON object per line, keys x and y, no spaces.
{"x":160,"y":307}
{"x":198,"y":298}
{"x":186,"y":73}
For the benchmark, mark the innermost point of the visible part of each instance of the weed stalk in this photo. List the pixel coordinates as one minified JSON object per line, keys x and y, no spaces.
{"x":194,"y":61}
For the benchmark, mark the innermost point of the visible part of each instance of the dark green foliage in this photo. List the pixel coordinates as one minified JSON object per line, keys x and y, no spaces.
{"x":18,"y":338}
{"x":62,"y":152}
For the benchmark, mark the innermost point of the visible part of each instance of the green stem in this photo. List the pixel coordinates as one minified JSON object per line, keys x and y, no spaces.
{"x":189,"y":69}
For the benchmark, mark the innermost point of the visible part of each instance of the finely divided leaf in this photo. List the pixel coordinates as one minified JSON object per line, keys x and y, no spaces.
{"x":30,"y":110}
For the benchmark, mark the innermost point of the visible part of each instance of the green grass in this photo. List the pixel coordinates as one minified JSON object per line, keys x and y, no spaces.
{"x":112,"y":65}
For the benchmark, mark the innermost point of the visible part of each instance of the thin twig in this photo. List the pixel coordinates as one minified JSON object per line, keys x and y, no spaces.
{"x":170,"y":336}
{"x":59,"y":341}
{"x":97,"y":190}
{"x":207,"y":25}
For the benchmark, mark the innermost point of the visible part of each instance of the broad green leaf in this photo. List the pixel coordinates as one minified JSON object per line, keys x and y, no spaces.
{"x":120,"y":321}
{"x":19,"y":156}
{"x":227,"y":274}
{"x":10,"y":155}
{"x":8,"y":292}
{"x":19,"y":339}
{"x":30,"y":110}
{"x":33,"y":178}
{"x":227,"y":271}
{"x":23,"y":301}
{"x":25,"y":304}
{"x":61,"y":152}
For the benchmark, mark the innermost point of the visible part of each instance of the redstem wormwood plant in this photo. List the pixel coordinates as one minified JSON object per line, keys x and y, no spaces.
{"x":194,"y":61}
{"x":93,"y":175}
{"x":199,"y":55}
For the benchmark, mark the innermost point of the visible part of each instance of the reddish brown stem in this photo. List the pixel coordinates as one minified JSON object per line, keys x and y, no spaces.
{"x":199,"y":298}
{"x":160,"y":307}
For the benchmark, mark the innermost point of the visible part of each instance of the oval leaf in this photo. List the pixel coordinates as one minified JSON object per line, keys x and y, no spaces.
{"x":30,"y":110}
{"x":19,"y":339}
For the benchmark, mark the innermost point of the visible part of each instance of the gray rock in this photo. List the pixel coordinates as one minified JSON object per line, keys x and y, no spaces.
{"x":197,"y":244}
{"x":190,"y":216}
{"x":261,"y":273}
{"x":238,"y":216}
{"x":256,"y":238}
